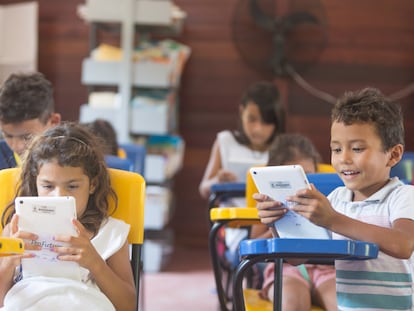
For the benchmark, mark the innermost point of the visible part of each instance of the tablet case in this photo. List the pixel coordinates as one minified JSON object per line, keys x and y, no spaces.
{"x":279,"y":182}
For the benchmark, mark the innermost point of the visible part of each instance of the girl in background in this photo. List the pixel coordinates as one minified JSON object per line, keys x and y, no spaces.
{"x":261,"y":118}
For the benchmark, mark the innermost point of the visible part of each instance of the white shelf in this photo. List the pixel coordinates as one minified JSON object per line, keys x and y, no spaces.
{"x":140,"y":117}
{"x":144,"y":73}
{"x":157,"y":207}
{"x":146,"y":12}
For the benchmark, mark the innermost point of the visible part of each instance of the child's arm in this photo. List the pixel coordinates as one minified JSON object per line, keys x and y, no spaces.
{"x":214,"y":173}
{"x":116,"y":281}
{"x":114,"y":276}
{"x":260,"y":231}
{"x":397,"y":241}
{"x":7,"y":268}
{"x":8,"y":264}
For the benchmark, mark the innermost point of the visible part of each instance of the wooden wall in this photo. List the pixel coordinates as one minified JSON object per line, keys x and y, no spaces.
{"x":369,"y":42}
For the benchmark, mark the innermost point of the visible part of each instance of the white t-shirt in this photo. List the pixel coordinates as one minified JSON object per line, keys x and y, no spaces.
{"x":238,"y":158}
{"x":48,"y":293}
{"x":384,"y":283}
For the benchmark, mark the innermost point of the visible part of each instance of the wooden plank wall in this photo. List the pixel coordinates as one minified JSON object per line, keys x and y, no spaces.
{"x":369,"y":42}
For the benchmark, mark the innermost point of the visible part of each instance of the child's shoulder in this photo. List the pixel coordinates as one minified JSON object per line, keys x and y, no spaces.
{"x":399,"y":188}
{"x":225,"y":134}
{"x":227,"y":139}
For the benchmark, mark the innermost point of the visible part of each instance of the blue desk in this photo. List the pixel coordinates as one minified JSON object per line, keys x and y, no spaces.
{"x":222,"y":191}
{"x":259,"y":250}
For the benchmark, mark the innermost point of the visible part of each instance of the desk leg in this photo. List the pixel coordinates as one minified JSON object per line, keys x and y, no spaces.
{"x":215,"y":261}
{"x":277,"y":285}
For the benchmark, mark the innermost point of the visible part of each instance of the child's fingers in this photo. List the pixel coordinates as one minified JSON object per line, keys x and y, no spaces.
{"x":270,"y":216}
{"x":260,"y":197}
{"x":79,"y":227}
{"x":14,"y":227}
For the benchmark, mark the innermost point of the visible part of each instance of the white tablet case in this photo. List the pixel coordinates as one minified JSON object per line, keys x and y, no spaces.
{"x":47,"y":217}
{"x":279,"y":182}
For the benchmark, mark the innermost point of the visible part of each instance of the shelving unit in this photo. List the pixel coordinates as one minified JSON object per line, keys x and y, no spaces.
{"x":133,"y":118}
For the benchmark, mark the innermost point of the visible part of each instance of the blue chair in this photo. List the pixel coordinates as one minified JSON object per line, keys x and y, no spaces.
{"x":119,"y":163}
{"x":404,"y":169}
{"x":136,"y":154}
{"x":325,"y":182}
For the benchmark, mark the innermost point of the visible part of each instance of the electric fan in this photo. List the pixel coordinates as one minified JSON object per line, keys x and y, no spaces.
{"x":281,"y":38}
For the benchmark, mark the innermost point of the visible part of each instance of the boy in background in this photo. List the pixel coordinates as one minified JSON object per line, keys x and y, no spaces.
{"x":26,"y":110}
{"x":367,"y":140}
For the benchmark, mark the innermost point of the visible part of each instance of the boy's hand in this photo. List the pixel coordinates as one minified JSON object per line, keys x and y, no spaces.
{"x":313,"y":205}
{"x":268,"y":210}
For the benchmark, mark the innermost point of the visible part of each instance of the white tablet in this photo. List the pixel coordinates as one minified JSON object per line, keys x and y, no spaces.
{"x":240,"y":167}
{"x":47,"y":217}
{"x":279,"y":182}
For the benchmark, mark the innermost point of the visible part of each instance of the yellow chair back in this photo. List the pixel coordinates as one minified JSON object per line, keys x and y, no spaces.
{"x":325,"y":168}
{"x":129,"y":187}
{"x":250,"y":190}
{"x":130,"y":190}
{"x":8,"y":187}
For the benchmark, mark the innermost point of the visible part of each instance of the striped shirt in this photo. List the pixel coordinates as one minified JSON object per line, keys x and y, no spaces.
{"x":384,"y":283}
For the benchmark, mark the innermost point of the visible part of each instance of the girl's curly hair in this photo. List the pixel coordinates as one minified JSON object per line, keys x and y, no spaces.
{"x":70,"y":144}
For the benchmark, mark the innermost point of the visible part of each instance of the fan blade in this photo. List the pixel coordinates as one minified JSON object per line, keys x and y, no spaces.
{"x":262,"y":20}
{"x":291,"y":20}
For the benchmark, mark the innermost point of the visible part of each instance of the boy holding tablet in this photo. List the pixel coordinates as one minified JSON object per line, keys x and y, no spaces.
{"x":367,"y":139}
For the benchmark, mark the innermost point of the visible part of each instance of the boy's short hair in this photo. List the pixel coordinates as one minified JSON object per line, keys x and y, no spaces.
{"x":26,"y":96}
{"x":369,"y":105}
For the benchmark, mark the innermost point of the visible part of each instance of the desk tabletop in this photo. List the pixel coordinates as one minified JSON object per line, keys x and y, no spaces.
{"x":310,"y":248}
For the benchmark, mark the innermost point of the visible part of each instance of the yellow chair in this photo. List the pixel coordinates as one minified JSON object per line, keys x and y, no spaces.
{"x":325,"y":168}
{"x":11,"y":246}
{"x":236,"y":217}
{"x":130,"y":190}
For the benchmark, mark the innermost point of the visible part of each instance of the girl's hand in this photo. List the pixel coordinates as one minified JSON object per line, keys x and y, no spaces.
{"x":313,"y":205}
{"x":268,"y":210}
{"x":27,"y":236}
{"x":226,"y":176}
{"x":12,"y":230}
{"x":80,"y":248}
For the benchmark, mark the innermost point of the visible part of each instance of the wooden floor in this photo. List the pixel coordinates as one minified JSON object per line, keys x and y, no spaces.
{"x":186,"y":283}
